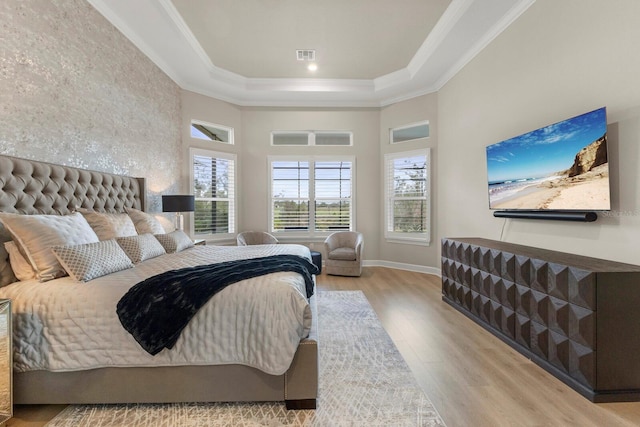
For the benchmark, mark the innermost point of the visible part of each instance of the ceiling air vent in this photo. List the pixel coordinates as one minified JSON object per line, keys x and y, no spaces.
{"x":306,"y":55}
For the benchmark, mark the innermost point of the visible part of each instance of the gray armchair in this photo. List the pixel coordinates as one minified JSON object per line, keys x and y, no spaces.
{"x":247,"y":238}
{"x":344,"y":253}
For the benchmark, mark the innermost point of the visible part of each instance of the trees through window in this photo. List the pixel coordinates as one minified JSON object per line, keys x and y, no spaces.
{"x":407,"y":196}
{"x":311,"y":195}
{"x":213,"y":185}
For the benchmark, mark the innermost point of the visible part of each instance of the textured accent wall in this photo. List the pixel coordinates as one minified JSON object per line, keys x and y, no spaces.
{"x":75,"y":91}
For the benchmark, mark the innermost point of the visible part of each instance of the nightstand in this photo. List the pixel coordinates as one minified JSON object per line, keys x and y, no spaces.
{"x":316,"y":258}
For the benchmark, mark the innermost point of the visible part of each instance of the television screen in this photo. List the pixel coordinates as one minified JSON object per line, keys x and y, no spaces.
{"x":562,"y":166}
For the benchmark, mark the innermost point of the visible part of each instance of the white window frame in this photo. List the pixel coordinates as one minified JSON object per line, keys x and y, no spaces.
{"x":391,"y":236}
{"x":227,"y":129}
{"x":411,"y":125}
{"x":311,"y":137}
{"x":311,"y":235}
{"x":233,"y":213}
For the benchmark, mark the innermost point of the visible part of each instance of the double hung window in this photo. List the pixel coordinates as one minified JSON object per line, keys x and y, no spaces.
{"x":213,"y":185}
{"x":407,"y":197}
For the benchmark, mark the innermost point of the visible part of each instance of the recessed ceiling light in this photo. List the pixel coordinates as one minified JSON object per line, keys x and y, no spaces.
{"x":312,"y":67}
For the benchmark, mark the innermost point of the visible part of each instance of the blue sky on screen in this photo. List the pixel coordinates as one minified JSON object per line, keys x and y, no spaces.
{"x":544,"y":151}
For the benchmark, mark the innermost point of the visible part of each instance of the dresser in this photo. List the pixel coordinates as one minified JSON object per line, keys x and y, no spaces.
{"x":577,"y":317}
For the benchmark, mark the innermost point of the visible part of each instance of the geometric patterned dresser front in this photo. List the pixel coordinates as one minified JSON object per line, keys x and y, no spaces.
{"x":542,"y":303}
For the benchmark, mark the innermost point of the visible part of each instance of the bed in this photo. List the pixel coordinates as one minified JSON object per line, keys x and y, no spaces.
{"x":68,"y":344}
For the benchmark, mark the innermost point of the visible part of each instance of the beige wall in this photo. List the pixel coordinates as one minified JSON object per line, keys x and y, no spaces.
{"x":403,"y":113}
{"x":210,"y":110}
{"x":75,"y":91}
{"x":83,"y":95}
{"x":256,"y":146}
{"x":558,"y":60}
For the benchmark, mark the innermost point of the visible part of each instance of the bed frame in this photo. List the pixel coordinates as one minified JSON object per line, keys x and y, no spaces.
{"x":33,"y":187}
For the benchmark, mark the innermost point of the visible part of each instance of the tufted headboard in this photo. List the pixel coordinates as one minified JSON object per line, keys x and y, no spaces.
{"x":32,"y":187}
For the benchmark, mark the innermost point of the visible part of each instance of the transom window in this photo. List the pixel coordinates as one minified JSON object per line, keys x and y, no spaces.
{"x":407,"y":197}
{"x":311,"y":196}
{"x":211,"y":132}
{"x":319,"y":138}
{"x":409,"y":132}
{"x":213,"y":185}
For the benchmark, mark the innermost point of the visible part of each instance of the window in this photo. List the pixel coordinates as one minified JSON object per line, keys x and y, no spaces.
{"x":213,"y":184}
{"x":289,"y":138}
{"x":331,"y":138}
{"x":211,"y":132}
{"x":311,"y":196}
{"x":407,"y":197}
{"x":409,"y":132}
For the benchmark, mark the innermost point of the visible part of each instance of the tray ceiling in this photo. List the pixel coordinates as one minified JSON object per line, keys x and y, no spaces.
{"x":369,"y":53}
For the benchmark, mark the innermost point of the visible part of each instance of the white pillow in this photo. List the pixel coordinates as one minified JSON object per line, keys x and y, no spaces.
{"x":175,"y":241}
{"x":35,"y":235}
{"x":6,"y":273}
{"x":109,"y":225}
{"x":140,"y":248}
{"x":144,"y":222}
{"x":91,"y":260}
{"x":20,"y":266}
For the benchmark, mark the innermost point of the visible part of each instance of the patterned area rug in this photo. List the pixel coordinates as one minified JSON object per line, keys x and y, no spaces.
{"x":364,"y":381}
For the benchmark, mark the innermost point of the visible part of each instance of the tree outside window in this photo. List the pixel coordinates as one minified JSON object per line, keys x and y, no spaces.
{"x":407,"y":196}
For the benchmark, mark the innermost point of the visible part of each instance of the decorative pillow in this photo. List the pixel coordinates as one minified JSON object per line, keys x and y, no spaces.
{"x":144,"y":222}
{"x":139,"y":248}
{"x":6,"y":273}
{"x":35,"y":235}
{"x":109,"y":225}
{"x":175,"y":241}
{"x":91,"y":260}
{"x":20,"y":266}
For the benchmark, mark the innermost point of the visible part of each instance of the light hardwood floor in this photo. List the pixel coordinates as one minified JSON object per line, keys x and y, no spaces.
{"x":472,"y":378}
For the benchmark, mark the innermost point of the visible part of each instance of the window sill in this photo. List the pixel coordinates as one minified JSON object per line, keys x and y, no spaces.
{"x":415,"y":242}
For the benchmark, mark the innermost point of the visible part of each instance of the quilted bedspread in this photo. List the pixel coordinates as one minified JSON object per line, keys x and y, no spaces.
{"x":64,"y":325}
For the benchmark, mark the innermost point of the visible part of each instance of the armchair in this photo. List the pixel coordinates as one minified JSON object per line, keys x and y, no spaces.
{"x":344,"y":253}
{"x":247,"y":238}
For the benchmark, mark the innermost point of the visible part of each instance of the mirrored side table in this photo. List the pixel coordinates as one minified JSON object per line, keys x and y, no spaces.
{"x":6,"y":362}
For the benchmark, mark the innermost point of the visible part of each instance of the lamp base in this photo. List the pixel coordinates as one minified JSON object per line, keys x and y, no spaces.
{"x":179,"y":221}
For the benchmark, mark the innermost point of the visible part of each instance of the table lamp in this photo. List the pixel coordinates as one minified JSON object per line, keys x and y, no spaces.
{"x":178,"y":203}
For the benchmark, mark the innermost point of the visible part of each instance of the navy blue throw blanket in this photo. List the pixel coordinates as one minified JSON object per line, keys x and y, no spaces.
{"x":156,"y":310}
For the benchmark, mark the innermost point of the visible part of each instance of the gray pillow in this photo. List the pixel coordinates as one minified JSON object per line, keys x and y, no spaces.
{"x":88,"y":261}
{"x":144,"y":222}
{"x":175,"y":241}
{"x":142,"y":247}
{"x":109,"y":225}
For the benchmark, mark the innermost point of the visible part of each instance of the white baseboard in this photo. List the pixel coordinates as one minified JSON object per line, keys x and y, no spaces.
{"x":402,"y":266}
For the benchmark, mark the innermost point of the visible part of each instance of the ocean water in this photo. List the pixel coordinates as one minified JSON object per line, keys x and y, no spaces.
{"x":503,"y":190}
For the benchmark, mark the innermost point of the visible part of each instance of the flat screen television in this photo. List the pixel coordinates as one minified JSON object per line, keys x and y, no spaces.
{"x":560,"y":167}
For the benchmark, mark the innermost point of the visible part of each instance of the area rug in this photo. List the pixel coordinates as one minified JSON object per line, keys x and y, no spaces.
{"x":364,"y":381}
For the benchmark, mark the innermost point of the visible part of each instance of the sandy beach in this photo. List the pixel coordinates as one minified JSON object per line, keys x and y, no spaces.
{"x":588,"y":191}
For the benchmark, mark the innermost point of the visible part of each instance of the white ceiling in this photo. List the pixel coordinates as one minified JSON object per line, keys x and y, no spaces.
{"x":370,"y":53}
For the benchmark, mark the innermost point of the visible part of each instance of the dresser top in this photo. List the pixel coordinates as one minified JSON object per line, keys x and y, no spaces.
{"x":583,"y":262}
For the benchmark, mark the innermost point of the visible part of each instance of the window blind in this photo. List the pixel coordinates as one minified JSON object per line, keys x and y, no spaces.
{"x":407,"y":209}
{"x":311,"y":195}
{"x":213,"y":187}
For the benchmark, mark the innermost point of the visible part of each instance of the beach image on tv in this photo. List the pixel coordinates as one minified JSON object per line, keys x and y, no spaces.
{"x":563,"y":166}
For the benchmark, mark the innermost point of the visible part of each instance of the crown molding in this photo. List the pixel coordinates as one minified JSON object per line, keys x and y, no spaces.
{"x":159,"y":31}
